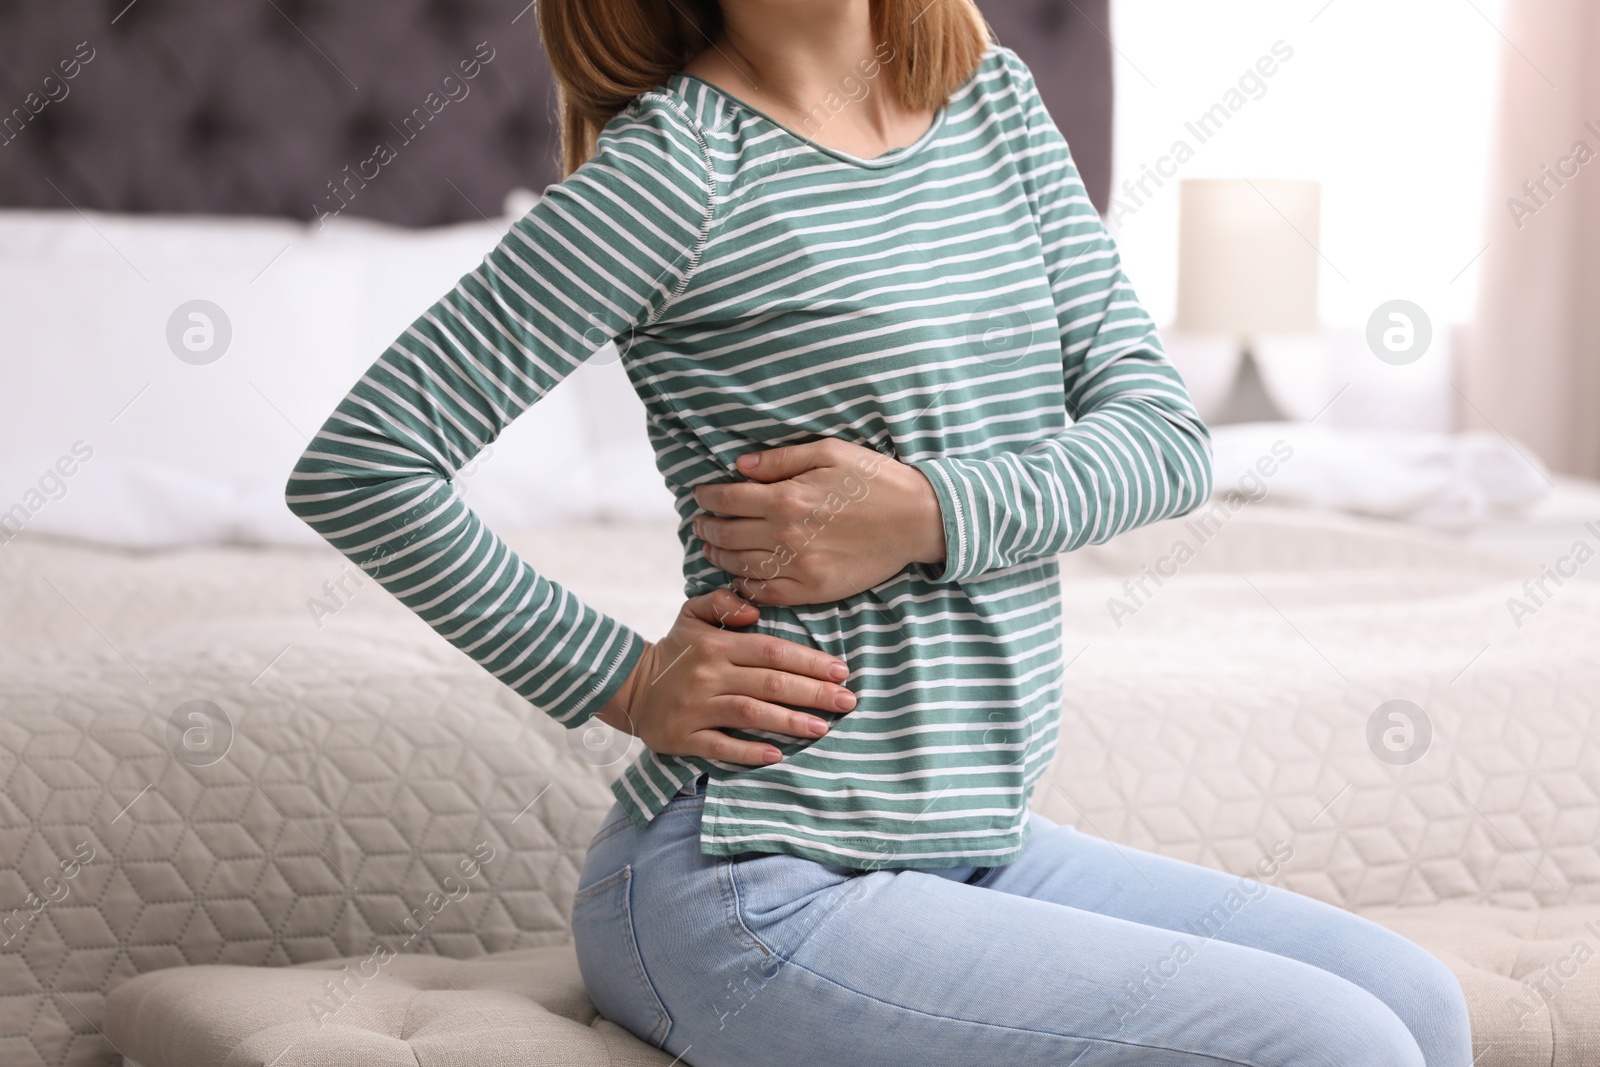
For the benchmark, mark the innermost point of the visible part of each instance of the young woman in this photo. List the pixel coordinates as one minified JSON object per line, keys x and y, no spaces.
{"x":892,"y":369}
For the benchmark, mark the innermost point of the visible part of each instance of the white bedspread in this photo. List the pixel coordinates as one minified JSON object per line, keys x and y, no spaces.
{"x":1229,"y":711}
{"x":1220,"y":716}
{"x":1208,"y":716}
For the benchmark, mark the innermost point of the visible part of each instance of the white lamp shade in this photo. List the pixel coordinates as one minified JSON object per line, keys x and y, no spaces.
{"x":1247,"y":257}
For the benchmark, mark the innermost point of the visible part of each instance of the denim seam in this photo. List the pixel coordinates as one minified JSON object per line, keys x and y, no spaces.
{"x":612,"y":828}
{"x":601,"y":886}
{"x":678,"y":803}
{"x":732,"y":911}
{"x":1017,"y":1029}
{"x":664,"y":1027}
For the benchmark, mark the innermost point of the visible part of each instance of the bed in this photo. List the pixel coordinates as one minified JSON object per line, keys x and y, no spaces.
{"x":1228,"y":716}
{"x":221,"y":751}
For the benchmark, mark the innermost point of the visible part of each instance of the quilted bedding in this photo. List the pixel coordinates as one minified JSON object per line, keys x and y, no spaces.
{"x":352,"y":779}
{"x":1246,"y":704}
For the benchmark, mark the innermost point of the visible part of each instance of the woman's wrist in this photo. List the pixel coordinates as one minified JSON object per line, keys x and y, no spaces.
{"x":925,"y":541}
{"x":618,"y":711}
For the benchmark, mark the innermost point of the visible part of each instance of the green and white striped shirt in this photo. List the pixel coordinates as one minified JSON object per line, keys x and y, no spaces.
{"x":955,"y":304}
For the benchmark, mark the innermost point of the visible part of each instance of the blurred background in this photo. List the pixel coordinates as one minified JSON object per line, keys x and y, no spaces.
{"x":1444,"y":145}
{"x":1369,"y":231}
{"x":1371,"y":220}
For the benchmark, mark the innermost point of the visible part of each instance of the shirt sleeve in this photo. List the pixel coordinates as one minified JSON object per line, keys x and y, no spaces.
{"x":601,"y":254}
{"x":1136,"y":451}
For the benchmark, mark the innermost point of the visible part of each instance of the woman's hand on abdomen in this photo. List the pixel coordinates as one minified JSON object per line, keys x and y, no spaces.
{"x":819,"y":522}
{"x":702,"y":679}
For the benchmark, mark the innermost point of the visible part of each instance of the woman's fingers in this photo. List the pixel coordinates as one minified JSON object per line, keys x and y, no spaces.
{"x":777,"y":654}
{"x":721,"y":607}
{"x":745,"y":712}
{"x":775,"y":464}
{"x":779,"y":592}
{"x":742,"y":711}
{"x":714,"y":744}
{"x":736,"y":681}
{"x":757,"y":564}
{"x":782,"y":687}
{"x":750,"y":500}
{"x":737,"y":534}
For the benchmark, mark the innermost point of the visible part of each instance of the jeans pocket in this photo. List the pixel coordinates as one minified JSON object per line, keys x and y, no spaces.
{"x":777,"y":900}
{"x":608,"y":957}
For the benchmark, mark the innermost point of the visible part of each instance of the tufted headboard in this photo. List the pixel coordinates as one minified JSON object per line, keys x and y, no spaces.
{"x":260,"y":106}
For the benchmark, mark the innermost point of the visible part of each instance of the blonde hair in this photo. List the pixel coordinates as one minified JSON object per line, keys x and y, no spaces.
{"x":606,"y":52}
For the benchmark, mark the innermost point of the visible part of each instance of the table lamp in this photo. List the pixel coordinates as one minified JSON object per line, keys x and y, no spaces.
{"x":1247,"y":324}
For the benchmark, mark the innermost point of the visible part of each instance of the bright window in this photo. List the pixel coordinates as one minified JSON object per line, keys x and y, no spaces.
{"x":1388,"y":103}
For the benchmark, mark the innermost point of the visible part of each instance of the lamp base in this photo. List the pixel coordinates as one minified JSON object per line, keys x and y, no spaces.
{"x":1248,"y":399}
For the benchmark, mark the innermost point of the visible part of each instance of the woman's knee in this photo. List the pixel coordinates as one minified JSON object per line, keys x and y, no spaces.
{"x":1416,"y":986}
{"x":1402,"y":983}
{"x":1353,"y":1026}
{"x":1427,"y":996}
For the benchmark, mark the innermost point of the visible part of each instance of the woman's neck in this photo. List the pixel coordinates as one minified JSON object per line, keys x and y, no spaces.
{"x":812,"y":65}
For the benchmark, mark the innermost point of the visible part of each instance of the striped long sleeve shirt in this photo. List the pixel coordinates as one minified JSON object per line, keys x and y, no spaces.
{"x":955,"y":304}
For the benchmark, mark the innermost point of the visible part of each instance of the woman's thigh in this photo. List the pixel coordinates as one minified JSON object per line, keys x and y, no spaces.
{"x":776,"y":960}
{"x":1211,"y":909}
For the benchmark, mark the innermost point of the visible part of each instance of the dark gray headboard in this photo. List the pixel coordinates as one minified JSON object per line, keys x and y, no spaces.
{"x":1067,"y":45}
{"x":254,"y":106}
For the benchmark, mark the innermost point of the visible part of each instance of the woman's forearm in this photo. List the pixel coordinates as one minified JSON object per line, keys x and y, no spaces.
{"x":598,"y":255}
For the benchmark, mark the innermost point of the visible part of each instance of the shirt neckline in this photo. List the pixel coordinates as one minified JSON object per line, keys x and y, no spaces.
{"x":888,"y":159}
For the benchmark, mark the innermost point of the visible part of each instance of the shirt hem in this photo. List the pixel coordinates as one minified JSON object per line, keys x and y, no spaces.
{"x":711,"y":845}
{"x":1003,"y":847}
{"x":633,"y":790}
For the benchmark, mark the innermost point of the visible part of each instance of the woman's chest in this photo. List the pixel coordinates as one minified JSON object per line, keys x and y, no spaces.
{"x":896,"y":319}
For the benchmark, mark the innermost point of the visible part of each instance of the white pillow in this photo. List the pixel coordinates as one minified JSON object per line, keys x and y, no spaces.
{"x":1452,"y":481}
{"x":166,"y":452}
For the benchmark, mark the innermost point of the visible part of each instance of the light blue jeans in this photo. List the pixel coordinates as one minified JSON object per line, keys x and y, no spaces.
{"x":1078,"y":952}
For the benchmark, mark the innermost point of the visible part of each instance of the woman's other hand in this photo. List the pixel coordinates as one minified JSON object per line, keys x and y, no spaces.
{"x":818,"y":522}
{"x":702,"y":678}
